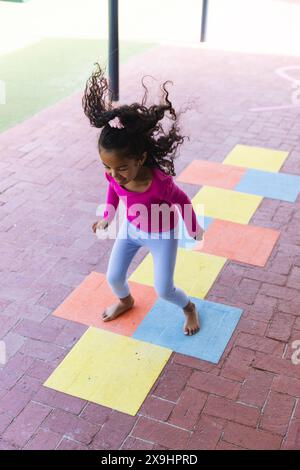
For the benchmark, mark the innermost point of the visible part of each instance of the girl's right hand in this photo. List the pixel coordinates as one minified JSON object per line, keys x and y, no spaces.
{"x":100,"y":225}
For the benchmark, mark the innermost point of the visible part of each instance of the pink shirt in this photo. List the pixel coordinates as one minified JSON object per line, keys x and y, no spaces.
{"x":153,"y":210}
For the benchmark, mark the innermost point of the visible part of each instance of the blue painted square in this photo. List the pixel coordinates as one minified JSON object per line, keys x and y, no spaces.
{"x":163,"y":325}
{"x":185,"y":241}
{"x":268,"y":184}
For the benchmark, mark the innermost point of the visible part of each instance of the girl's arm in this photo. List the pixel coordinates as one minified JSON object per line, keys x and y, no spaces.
{"x":112,"y":201}
{"x":174,"y":195}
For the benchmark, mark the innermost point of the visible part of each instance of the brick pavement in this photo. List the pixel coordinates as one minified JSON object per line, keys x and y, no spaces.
{"x":50,"y":184}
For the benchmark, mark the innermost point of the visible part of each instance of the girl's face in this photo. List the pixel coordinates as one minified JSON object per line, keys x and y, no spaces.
{"x":123,"y":170}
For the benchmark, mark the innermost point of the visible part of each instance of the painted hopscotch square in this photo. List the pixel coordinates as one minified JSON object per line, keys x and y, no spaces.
{"x":164,"y":326}
{"x":195,"y":272}
{"x":227,"y":204}
{"x":244,"y":243}
{"x":203,"y":172}
{"x":86,"y":303}
{"x":272,"y":185}
{"x":256,"y":157}
{"x":109,"y":369}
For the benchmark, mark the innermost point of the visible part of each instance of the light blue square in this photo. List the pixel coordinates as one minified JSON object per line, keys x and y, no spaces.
{"x":163,"y":326}
{"x":185,"y":241}
{"x":268,"y":184}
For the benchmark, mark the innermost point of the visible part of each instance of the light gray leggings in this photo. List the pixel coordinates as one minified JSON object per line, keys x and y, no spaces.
{"x":163,"y":250}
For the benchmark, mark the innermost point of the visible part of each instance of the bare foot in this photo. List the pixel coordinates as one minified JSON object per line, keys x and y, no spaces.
{"x":112,"y":312}
{"x":192,"y":323}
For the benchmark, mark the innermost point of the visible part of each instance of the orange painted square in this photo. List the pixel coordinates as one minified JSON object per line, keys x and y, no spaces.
{"x":239,"y":242}
{"x":212,"y":174}
{"x":86,"y":303}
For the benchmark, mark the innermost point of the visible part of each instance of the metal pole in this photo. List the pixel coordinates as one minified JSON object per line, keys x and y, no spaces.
{"x":113,"y":49}
{"x":204,"y":20}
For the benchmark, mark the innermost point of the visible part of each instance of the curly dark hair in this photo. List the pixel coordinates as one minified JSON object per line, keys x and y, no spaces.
{"x":142,"y":131}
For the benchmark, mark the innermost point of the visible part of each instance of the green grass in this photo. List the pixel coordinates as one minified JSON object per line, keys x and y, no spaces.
{"x":44,"y":73}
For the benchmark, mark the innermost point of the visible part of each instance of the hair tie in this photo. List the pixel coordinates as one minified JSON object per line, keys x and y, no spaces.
{"x":116,"y":123}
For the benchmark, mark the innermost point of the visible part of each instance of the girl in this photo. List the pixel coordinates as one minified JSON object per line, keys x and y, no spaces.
{"x":138,"y":160}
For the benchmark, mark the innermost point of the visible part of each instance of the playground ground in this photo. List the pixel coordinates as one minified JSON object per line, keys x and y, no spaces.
{"x":50,"y":185}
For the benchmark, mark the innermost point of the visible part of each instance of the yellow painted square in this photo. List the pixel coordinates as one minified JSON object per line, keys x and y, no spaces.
{"x":195,"y":272}
{"x":226,"y":204}
{"x":109,"y":369}
{"x":256,"y":157}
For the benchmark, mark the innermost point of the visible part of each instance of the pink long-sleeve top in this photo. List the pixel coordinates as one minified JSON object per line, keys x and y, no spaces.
{"x":153,"y":210}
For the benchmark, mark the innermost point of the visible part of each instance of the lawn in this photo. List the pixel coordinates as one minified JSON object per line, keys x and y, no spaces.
{"x":47,"y":71}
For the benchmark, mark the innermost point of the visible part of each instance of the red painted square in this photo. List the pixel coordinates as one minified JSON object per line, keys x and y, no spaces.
{"x":245,"y":243}
{"x":211,"y":174}
{"x":86,"y":303}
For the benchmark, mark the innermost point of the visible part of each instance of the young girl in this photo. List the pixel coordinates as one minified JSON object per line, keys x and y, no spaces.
{"x":138,"y":157}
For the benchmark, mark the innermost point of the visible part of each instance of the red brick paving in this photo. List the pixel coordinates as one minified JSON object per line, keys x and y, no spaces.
{"x":50,"y":185}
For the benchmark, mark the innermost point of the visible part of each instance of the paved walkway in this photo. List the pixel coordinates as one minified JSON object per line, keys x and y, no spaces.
{"x":51,"y":182}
